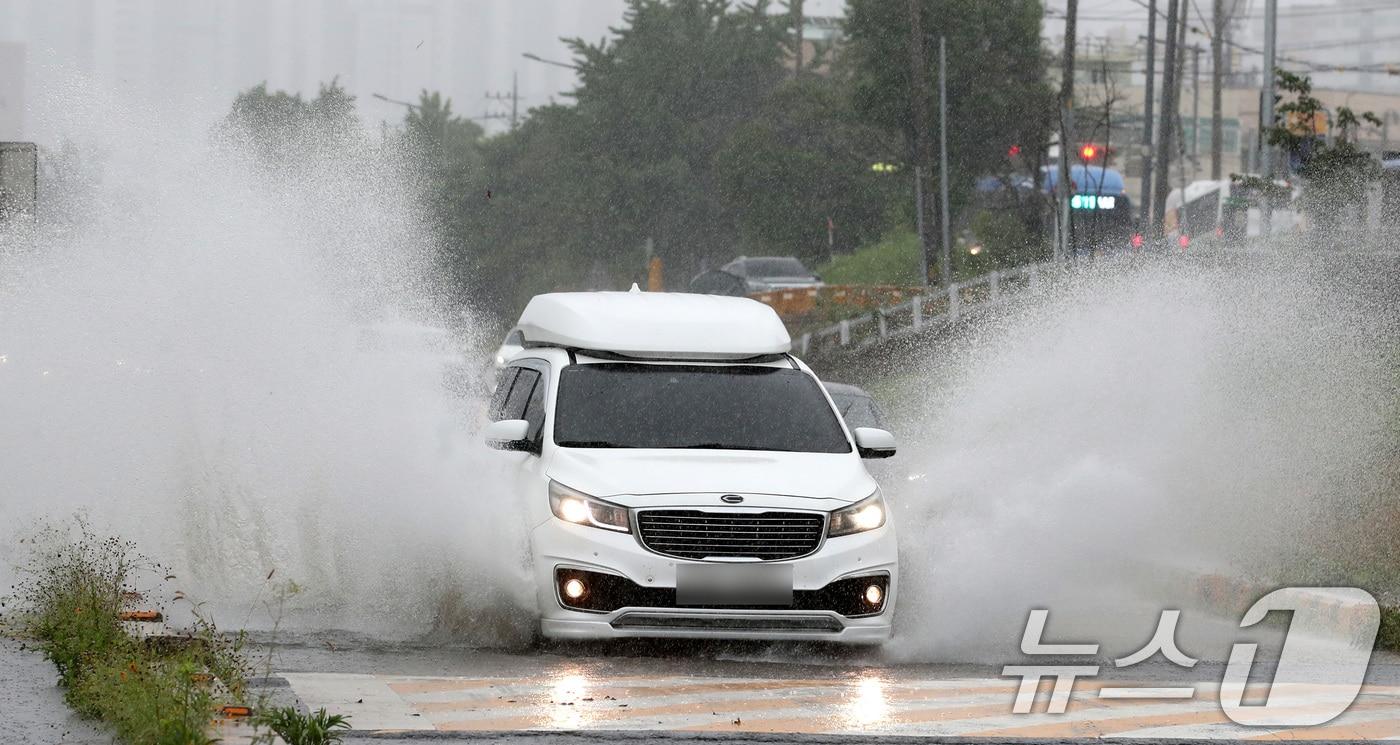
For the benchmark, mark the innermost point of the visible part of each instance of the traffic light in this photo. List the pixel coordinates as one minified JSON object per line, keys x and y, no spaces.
{"x":1013,"y":151}
{"x":1089,"y":152}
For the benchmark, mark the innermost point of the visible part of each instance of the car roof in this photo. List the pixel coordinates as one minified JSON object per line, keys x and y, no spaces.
{"x":655,"y":324}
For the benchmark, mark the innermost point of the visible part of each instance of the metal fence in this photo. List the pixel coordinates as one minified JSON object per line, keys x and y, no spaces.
{"x":936,"y":308}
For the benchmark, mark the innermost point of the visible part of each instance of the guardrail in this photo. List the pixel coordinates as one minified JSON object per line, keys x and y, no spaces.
{"x":939,"y":307}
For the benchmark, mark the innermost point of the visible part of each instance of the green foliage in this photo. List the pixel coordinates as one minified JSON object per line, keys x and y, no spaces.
{"x":804,"y":157}
{"x":281,"y":127}
{"x":894,"y":260}
{"x":70,"y":597}
{"x":1004,"y":239}
{"x":1336,"y":173}
{"x":439,"y":138}
{"x":998,"y":95}
{"x":296,"y":728}
{"x":577,"y":190}
{"x":1388,"y":635}
{"x":689,"y":134}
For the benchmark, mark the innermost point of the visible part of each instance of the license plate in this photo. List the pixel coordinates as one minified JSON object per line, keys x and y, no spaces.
{"x":734,"y":584}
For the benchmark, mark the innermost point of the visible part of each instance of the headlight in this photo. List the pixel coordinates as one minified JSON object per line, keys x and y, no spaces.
{"x":576,"y":507}
{"x":867,"y":514}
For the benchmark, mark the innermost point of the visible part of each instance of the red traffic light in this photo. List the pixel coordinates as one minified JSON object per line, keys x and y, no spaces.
{"x":1137,"y":240}
{"x":1184,"y":241}
{"x":1089,"y":152}
{"x":1013,"y":151}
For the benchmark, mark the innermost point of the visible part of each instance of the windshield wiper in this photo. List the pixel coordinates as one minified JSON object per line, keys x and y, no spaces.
{"x":589,"y":444}
{"x":712,"y":446}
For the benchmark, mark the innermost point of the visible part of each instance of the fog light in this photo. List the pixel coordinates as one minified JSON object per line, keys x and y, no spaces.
{"x":874,"y":594}
{"x":574,"y":589}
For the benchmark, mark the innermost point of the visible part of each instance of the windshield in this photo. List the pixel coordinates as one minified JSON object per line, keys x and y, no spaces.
{"x":723,"y":407}
{"x":775,"y":268}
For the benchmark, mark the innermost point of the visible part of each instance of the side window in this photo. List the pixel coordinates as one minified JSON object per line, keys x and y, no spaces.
{"x":534,"y":411}
{"x":525,"y":384}
{"x":515,"y":338}
{"x":502,"y":392}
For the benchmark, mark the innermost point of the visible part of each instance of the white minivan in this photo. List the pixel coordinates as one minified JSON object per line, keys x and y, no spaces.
{"x":683,"y":475}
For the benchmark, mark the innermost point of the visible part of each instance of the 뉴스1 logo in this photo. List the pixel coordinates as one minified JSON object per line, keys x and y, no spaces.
{"x":1329,"y":641}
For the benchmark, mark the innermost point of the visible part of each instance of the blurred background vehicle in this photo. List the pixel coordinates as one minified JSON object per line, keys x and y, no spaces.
{"x":763,"y":273}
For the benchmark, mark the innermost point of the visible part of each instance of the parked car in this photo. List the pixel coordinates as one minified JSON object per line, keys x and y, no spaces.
{"x":683,"y":475}
{"x":764,"y":273}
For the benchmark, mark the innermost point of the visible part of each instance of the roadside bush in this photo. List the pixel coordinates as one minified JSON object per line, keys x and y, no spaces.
{"x":72,"y":592}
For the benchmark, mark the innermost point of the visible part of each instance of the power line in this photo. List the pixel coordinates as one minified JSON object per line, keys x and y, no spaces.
{"x":1309,"y":64}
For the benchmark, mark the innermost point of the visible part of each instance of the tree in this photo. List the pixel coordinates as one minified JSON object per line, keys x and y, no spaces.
{"x":661,"y":101}
{"x":997,"y":90}
{"x":281,"y":126}
{"x":1336,"y":172}
{"x":577,"y":191}
{"x":803,"y":159}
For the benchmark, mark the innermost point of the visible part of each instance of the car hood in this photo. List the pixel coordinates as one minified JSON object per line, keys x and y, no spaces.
{"x":619,"y":473}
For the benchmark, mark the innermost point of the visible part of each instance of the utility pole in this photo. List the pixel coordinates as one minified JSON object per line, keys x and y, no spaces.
{"x":1266,"y":111}
{"x":795,"y":9}
{"x":1145,"y":205}
{"x":513,"y":97}
{"x":1195,"y":109}
{"x":1162,"y":185}
{"x":945,"y":256}
{"x":918,"y":102}
{"x":1065,"y":235}
{"x":1217,"y":71}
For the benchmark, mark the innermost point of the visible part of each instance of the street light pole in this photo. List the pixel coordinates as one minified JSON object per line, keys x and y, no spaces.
{"x":945,"y":261}
{"x":919,"y":101}
{"x":1145,"y":205}
{"x":1266,"y":112}
{"x":1062,"y":246}
{"x":1162,"y":185}
{"x":536,"y":58}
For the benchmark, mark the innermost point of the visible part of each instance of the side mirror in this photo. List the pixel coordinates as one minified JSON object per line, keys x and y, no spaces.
{"x":509,"y":434}
{"x":874,"y":443}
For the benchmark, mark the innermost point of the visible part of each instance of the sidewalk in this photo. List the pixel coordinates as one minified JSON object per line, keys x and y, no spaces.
{"x":33,"y":704}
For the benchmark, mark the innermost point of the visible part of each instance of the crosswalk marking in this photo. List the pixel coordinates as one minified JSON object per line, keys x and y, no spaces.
{"x":864,"y":703}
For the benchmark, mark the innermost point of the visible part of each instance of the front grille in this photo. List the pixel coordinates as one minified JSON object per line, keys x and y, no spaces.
{"x":693,"y":534}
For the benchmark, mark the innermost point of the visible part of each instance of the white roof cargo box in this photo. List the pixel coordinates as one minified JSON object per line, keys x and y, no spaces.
{"x":655,"y":324}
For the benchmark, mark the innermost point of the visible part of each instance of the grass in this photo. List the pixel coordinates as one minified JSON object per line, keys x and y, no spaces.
{"x":295,"y":728}
{"x":893,"y":261}
{"x":72,"y":591}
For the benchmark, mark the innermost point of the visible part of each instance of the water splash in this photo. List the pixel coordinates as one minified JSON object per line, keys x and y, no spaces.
{"x":183,"y":362}
{"x":1134,"y":421}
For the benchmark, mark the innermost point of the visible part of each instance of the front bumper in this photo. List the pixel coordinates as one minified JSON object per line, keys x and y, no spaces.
{"x":652,"y":611}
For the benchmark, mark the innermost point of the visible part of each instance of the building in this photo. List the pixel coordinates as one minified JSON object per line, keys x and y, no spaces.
{"x":12,"y":71}
{"x":188,"y":58}
{"x":1110,"y":79}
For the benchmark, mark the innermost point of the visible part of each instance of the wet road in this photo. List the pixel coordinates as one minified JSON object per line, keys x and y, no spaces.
{"x":31,"y":703}
{"x":757,"y":692}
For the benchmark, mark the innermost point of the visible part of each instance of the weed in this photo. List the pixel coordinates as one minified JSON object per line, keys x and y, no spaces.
{"x":70,"y":598}
{"x":296,"y":728}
